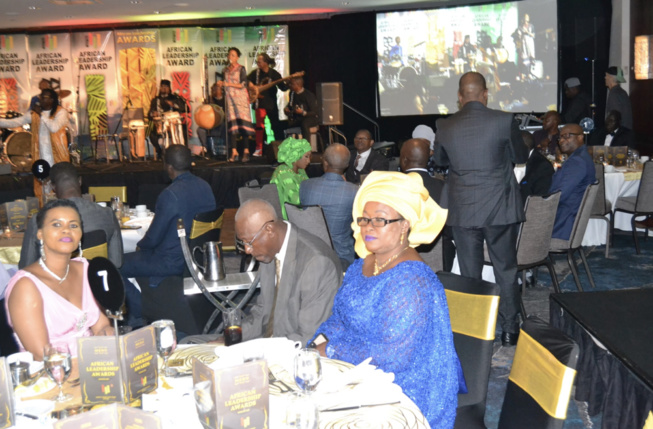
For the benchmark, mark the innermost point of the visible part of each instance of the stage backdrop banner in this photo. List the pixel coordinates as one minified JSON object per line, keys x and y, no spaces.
{"x":50,"y":59}
{"x":181,"y":57}
{"x":94,"y":57}
{"x":137,"y":53}
{"x":14,"y":77}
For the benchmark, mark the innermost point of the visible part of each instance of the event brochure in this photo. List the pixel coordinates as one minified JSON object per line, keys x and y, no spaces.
{"x":99,"y":370}
{"x":14,"y":215}
{"x":233,"y":397}
{"x":115,"y":416}
{"x":7,"y":417}
{"x":613,"y":155}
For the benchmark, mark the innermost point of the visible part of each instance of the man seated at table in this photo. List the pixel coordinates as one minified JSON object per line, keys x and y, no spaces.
{"x":300,"y":274}
{"x":539,"y":171}
{"x":613,"y":134}
{"x":364,"y":159}
{"x":68,"y":185}
{"x":159,"y":253}
{"x":546,"y":139}
{"x":575,"y":175}
{"x":336,"y":197}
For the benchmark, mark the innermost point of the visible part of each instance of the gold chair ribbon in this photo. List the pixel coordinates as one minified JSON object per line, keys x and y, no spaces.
{"x":542,"y":376}
{"x":200,"y":228}
{"x":10,"y":255}
{"x":649,"y":421}
{"x":104,"y":193}
{"x":95,"y":251}
{"x":473,"y":315}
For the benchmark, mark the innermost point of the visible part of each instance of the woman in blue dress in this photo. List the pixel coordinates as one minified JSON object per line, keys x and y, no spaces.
{"x":391,"y":305}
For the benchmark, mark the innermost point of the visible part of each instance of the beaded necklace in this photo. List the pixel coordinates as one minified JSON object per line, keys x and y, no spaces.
{"x":47,"y":270}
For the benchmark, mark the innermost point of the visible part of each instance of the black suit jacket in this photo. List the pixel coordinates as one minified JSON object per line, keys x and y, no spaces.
{"x":623,"y":137}
{"x":539,"y":173}
{"x":433,"y":185}
{"x":375,"y":162}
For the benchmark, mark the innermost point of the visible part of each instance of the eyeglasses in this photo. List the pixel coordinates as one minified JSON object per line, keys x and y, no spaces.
{"x":377,"y":222}
{"x":242,"y":246}
{"x":361,"y":138}
{"x":568,"y":135}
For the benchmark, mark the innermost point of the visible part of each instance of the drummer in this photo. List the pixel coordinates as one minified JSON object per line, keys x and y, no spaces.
{"x":43,"y":84}
{"x":50,"y":142}
{"x":166,"y":101}
{"x":216,"y":133}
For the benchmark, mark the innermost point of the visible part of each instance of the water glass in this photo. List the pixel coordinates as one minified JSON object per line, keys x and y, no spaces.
{"x":308,"y":369}
{"x":233,"y":326}
{"x":166,"y":342}
{"x":301,"y":412}
{"x":58,"y":365}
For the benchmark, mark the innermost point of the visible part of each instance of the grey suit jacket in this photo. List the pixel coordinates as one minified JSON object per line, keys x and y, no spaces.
{"x":480,"y":146}
{"x":310,"y":278}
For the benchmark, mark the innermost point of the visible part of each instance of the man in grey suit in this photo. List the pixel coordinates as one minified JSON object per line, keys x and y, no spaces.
{"x":480,"y":146}
{"x":300,"y":275}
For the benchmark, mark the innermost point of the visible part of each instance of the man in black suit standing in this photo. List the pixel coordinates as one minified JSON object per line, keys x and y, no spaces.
{"x":614,"y":134}
{"x":481,"y":146}
{"x":364,"y":160}
{"x":539,"y":171}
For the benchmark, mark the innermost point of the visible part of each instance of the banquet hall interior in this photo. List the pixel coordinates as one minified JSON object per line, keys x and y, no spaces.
{"x":336,"y":44}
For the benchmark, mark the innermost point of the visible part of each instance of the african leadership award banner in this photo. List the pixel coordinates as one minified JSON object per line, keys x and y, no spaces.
{"x":15,"y":92}
{"x":50,"y":58}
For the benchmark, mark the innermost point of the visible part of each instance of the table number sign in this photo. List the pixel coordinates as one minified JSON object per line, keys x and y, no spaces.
{"x":239,"y":395}
{"x":140,"y":362}
{"x":116,"y":416}
{"x":7,"y":417}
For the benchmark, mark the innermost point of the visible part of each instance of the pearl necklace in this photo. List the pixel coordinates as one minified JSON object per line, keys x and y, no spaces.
{"x":47,"y":270}
{"x":378,"y":269}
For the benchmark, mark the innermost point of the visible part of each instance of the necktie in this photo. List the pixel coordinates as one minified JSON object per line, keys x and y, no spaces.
{"x":358,"y":157}
{"x":269,"y":330}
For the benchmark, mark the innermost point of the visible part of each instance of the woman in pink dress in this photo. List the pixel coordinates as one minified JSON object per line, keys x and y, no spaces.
{"x":239,"y":115}
{"x":51,"y":301}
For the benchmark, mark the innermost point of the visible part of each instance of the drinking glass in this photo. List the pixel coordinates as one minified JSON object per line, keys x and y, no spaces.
{"x":166,"y":342}
{"x":233,"y":331}
{"x":58,"y":365}
{"x":308,"y":369}
{"x":301,"y":412}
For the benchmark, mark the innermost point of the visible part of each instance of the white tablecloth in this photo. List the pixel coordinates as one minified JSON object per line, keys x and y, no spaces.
{"x":131,"y":237}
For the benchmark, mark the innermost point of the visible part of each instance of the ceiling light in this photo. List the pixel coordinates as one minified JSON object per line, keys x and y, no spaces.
{"x":345,"y":3}
{"x":181,"y":4}
{"x":135,"y":2}
{"x":156,"y":12}
{"x":249,"y":8}
{"x":12,"y":13}
{"x":33,"y":7}
{"x":68,"y":16}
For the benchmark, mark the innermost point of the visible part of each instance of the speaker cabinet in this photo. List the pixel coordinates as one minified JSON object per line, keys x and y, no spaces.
{"x":329,"y":98}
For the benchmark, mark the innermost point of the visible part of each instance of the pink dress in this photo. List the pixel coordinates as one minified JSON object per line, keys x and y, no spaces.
{"x":65,"y":321}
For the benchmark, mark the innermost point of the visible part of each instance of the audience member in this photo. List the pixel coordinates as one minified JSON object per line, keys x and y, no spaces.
{"x":300,"y":274}
{"x":391,"y":306}
{"x":336,"y":197}
{"x":426,"y":133}
{"x":539,"y":171}
{"x":364,"y":160}
{"x":68,"y":185}
{"x":480,"y":146}
{"x":579,"y":103}
{"x":50,"y":301}
{"x":159,"y":253}
{"x":613,"y":134}
{"x":617,"y":97}
{"x":546,"y":139}
{"x":575,"y":175}
{"x":294,"y":156}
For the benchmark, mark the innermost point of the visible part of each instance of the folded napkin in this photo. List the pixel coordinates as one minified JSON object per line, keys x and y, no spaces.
{"x":277,"y":351}
{"x":182,"y":358}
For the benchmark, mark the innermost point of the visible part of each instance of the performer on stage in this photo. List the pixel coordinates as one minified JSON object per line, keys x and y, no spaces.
{"x":49,"y":142}
{"x":166,"y":101}
{"x":216,"y":133}
{"x":239,"y":117}
{"x":266,"y":104}
{"x":302,"y":108}
{"x":43,"y":84}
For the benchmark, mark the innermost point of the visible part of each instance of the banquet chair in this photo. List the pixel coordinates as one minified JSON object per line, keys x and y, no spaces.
{"x":432,"y":254}
{"x":602,"y":207}
{"x":534,"y":239}
{"x":267,"y":192}
{"x":575,"y":242}
{"x":104,"y":193}
{"x":311,"y":219}
{"x":94,"y":243}
{"x":541,"y":378}
{"x":473,"y":308}
{"x":640,"y":205}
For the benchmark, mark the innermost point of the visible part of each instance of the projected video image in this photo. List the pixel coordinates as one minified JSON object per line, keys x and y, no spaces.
{"x":422,"y":54}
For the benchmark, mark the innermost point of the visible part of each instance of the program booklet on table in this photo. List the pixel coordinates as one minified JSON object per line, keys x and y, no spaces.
{"x":7,"y":416}
{"x":115,"y":416}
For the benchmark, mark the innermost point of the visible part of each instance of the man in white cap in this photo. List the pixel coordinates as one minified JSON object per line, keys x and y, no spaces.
{"x":425,"y":132}
{"x":617,"y":97}
{"x":578,"y":106}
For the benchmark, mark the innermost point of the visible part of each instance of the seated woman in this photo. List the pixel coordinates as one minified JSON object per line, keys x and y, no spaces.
{"x":294,"y":156}
{"x":51,"y":301}
{"x":391,"y":305}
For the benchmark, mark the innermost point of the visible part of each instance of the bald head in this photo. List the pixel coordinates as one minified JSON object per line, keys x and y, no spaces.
{"x":414,"y":154}
{"x":256,"y":207}
{"x":336,"y":158}
{"x":571,"y":138}
{"x":472,"y":88}
{"x":260,"y":230}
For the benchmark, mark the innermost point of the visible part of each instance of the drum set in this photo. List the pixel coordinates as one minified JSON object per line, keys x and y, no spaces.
{"x":16,"y":145}
{"x":169,"y":126}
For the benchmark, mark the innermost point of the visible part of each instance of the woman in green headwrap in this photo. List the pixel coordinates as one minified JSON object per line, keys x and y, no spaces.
{"x":294,"y":156}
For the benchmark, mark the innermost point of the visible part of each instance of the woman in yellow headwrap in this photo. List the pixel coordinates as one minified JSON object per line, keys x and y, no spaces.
{"x":294,"y":156}
{"x":391,"y":305}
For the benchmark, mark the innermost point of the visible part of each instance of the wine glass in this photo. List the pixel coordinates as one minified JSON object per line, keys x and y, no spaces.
{"x":58,"y":365}
{"x":166,"y":342}
{"x":308,"y":369}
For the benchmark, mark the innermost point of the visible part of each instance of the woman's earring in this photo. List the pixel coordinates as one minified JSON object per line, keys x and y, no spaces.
{"x":41,"y":251}
{"x":80,"y":250}
{"x":401,"y":239}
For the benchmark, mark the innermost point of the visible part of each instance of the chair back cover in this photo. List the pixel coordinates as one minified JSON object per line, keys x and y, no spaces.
{"x":267,"y":192}
{"x":600,"y":207}
{"x":535,"y":234}
{"x":104,"y":193}
{"x":310,"y":219}
{"x":541,"y":378}
{"x":206,"y":227}
{"x":645,"y":193}
{"x":94,"y":244}
{"x":583,"y":216}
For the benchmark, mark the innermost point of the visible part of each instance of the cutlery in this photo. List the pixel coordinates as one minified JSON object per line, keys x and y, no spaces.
{"x":283,"y":387}
{"x":355,"y":407}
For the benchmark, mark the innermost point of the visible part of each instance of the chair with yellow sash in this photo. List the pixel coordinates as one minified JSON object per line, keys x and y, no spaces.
{"x":94,"y":243}
{"x":206,"y":227}
{"x":104,"y":193}
{"x":473,"y":308}
{"x":541,"y":378}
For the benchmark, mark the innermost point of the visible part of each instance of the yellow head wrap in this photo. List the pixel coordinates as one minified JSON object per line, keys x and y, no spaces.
{"x":406,"y":194}
{"x":291,"y":150}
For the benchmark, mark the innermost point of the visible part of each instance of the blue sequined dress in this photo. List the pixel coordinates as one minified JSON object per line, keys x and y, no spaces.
{"x":400,"y":318}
